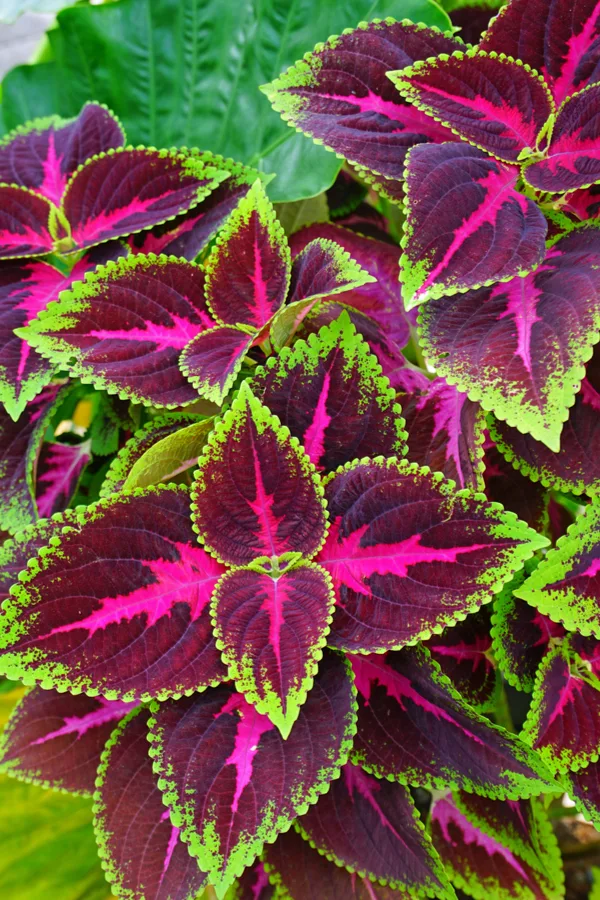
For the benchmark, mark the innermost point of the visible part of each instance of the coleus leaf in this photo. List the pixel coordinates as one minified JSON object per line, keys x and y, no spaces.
{"x":189,"y":233}
{"x":445,"y":431}
{"x":360,"y":116}
{"x":138,"y":445}
{"x":170,"y":456}
{"x":25,"y":223}
{"x":330,"y":393}
{"x":558,"y":40}
{"x":212,"y":360}
{"x":255,"y":491}
{"x":513,"y":356}
{"x":303,"y":874}
{"x":409,"y":555}
{"x":128,"y":190}
{"x":576,"y":466}
{"x":372,"y":827}
{"x":44,"y":153}
{"x":145,"y":631}
{"x":381,"y":299}
{"x":477,"y":862}
{"x":271,"y":627}
{"x":572,"y":159}
{"x":414,"y":727}
{"x":472,"y":17}
{"x":565,"y":586}
{"x":253,"y":884}
{"x":141,"y":851}
{"x":466,"y":225}
{"x":493,"y":102}
{"x":59,"y":470}
{"x":583,"y":786}
{"x":521,"y":635}
{"x":463,"y":653}
{"x":20,"y":444}
{"x":248,"y":271}
{"x":506,"y":485}
{"x":55,"y":740}
{"x":124,"y":327}
{"x":230,"y":780}
{"x":15,"y":552}
{"x":26,"y":287}
{"x":562,"y":721}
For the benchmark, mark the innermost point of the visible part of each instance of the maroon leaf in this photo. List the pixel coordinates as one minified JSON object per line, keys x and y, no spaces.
{"x":24,"y":223}
{"x":330,"y":393}
{"x":480,"y":862}
{"x":506,"y":485}
{"x":186,"y":235}
{"x":521,"y":636}
{"x":519,"y":348}
{"x":559,"y":40}
{"x":576,"y":466}
{"x":142,"y":853}
{"x":20,"y":444}
{"x":142,"y":631}
{"x":129,"y":190}
{"x":573,"y":155}
{"x":466,"y":226}
{"x":253,"y":884}
{"x":255,"y":491}
{"x":124,"y":328}
{"x":232,"y":782}
{"x":56,"y":740}
{"x":445,"y":432}
{"x":562,"y":723}
{"x":493,"y":102}
{"x":271,"y":627}
{"x":212,"y":360}
{"x":44,"y":153}
{"x":25,"y":289}
{"x":414,"y":727}
{"x":306,"y":875}
{"x":584,"y":788}
{"x":381,"y":300}
{"x":340,"y":94}
{"x":15,"y":552}
{"x":248,"y":272}
{"x":373,"y":828}
{"x":408,"y":556}
{"x":464,"y":655}
{"x":473,"y":18}
{"x":59,"y":469}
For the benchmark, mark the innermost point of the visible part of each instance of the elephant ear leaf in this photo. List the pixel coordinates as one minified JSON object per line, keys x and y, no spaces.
{"x":236,"y":782}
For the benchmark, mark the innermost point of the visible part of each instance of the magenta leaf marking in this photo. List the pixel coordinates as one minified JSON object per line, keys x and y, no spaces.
{"x":58,"y":472}
{"x":558,"y":40}
{"x":340,"y":94}
{"x":255,"y":491}
{"x":237,"y":783}
{"x":492,"y":102}
{"x":68,"y":630}
{"x":271,"y":627}
{"x":140,"y":847}
{"x":24,"y":223}
{"x":490,"y":232}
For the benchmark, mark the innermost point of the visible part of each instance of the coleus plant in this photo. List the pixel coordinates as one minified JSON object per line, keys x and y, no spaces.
{"x":276,"y":547}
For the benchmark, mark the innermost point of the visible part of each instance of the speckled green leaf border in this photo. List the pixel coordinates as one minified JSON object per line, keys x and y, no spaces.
{"x":503,"y":604}
{"x":58,"y":316}
{"x":182,"y":818}
{"x":415,"y":892}
{"x":52,"y":676}
{"x":244,"y":404}
{"x":575,"y":612}
{"x":137,"y":445}
{"x":520,"y":786}
{"x":357,"y":354}
{"x":241,"y":670}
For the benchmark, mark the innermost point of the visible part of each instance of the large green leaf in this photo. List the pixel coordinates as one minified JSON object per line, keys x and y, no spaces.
{"x":48,"y":846}
{"x":187,"y":72}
